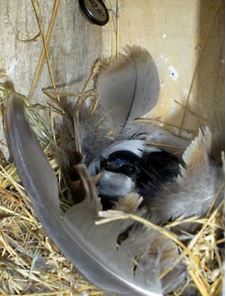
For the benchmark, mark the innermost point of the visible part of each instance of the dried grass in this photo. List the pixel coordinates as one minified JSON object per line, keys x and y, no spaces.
{"x":30,"y":264}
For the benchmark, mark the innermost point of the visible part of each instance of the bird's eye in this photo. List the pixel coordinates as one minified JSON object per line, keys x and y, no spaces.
{"x":128,"y":169}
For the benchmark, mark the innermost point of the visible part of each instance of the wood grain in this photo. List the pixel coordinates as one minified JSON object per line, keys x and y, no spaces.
{"x":174,"y":32}
{"x":74,"y":45}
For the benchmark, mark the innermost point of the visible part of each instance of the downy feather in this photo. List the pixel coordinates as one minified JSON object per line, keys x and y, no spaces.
{"x":195,"y":188}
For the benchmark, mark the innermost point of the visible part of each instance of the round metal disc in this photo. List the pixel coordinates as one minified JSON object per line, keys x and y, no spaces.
{"x":94,"y":11}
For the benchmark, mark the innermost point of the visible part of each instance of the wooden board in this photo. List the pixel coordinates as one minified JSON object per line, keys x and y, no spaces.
{"x":186,"y":40}
{"x":176,"y":32}
{"x":74,"y":45}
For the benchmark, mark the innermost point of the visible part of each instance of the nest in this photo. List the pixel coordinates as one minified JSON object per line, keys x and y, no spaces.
{"x":30,"y":264}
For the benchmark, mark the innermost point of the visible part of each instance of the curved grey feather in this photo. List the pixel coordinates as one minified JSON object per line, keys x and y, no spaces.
{"x":90,"y":248}
{"x":137,"y":147}
{"x":128,"y":86}
{"x":153,"y":134}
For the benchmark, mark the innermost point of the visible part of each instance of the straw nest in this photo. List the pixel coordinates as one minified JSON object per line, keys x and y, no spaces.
{"x":30,"y":264}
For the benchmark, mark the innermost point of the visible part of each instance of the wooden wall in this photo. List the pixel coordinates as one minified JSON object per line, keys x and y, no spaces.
{"x":176,"y":32}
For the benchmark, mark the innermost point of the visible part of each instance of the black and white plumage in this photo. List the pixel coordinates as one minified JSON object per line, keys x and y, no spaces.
{"x":132,"y":166}
{"x":125,"y":166}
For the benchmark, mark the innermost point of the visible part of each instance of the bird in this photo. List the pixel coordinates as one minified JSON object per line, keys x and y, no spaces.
{"x":113,"y":163}
{"x":132,"y":166}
